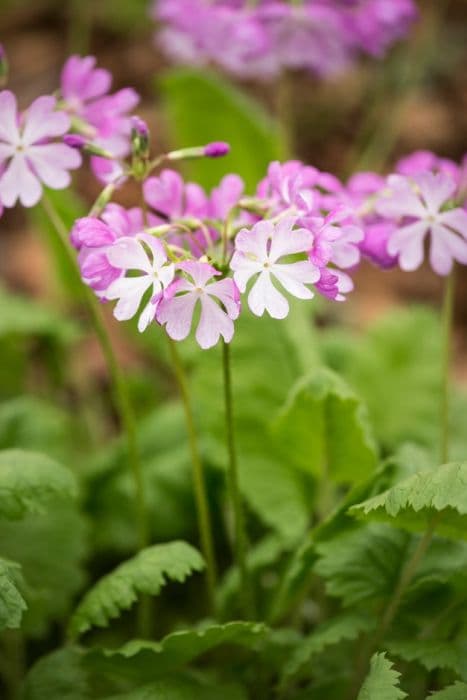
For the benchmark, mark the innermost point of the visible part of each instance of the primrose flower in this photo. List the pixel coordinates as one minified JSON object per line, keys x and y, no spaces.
{"x":30,"y":154}
{"x":421,"y":205}
{"x":103,"y":116}
{"x":145,"y":255}
{"x":257,"y":254}
{"x":219,"y":303}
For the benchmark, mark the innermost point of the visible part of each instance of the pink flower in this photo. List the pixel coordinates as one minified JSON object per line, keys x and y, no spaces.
{"x":176,"y":309}
{"x":92,"y":238}
{"x":30,"y":155}
{"x":257,"y":252}
{"x":85,"y":92}
{"x":418,"y":205}
{"x":334,"y":284}
{"x":146,"y":255}
{"x":289,"y":185}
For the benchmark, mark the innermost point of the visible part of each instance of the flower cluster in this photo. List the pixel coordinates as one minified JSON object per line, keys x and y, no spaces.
{"x":260,"y":39}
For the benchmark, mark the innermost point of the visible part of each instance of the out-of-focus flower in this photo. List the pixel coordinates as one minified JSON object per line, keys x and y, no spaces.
{"x":146,"y":256}
{"x":219,"y":302}
{"x":257,"y":254}
{"x":104,"y":117}
{"x":421,"y":205}
{"x":30,"y":154}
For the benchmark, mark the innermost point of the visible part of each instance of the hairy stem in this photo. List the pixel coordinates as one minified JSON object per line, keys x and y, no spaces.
{"x":199,"y":481}
{"x":234,"y":490}
{"x":447,"y":319}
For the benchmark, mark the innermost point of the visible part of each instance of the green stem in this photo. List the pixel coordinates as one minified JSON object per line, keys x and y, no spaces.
{"x":119,"y":387}
{"x":447,"y":319}
{"x":199,"y":482}
{"x":234,"y":490}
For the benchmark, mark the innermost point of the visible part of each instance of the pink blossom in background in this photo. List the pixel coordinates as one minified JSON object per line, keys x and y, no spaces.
{"x":85,"y":92}
{"x":420,"y":206}
{"x":145,"y":255}
{"x":257,"y":254}
{"x":219,"y":304}
{"x":31,"y":152}
{"x":92,"y":237}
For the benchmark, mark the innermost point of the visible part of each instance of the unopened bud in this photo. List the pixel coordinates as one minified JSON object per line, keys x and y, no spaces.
{"x":216,"y":149}
{"x":211,"y":150}
{"x":82,"y":144}
{"x":3,"y":66}
{"x":139,"y":137}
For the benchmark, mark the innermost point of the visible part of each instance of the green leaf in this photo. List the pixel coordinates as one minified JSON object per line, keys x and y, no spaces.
{"x":147,"y":573}
{"x":58,"y":676}
{"x":433,"y":653}
{"x":183,"y":689}
{"x":348,"y":626}
{"x":254,"y":137}
{"x":458,"y":691}
{"x":12,"y":603}
{"x":29,"y":482}
{"x":50,"y":549}
{"x":324,"y":426}
{"x":362,"y":564}
{"x":22,"y":316}
{"x":382,"y":682}
{"x":436,"y":497}
{"x":144,"y":661}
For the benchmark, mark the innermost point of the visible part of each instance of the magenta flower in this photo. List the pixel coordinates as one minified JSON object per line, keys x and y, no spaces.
{"x":334,"y":284}
{"x":92,"y":237}
{"x":420,"y":205}
{"x":218,"y":300}
{"x":30,"y":154}
{"x":146,"y":256}
{"x":106,"y":117}
{"x":257,"y":254}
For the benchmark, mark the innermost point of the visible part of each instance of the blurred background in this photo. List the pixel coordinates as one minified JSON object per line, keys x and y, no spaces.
{"x":416,"y":98}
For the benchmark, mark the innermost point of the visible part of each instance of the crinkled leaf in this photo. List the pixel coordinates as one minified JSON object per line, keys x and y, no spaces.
{"x":30,"y":481}
{"x":147,"y":573}
{"x":253,"y":136}
{"x":50,"y":549}
{"x":324,"y":429}
{"x":144,"y":661}
{"x":433,"y":653}
{"x":458,"y":691}
{"x":436,"y":497}
{"x":183,"y":689}
{"x":12,"y":603}
{"x":382,"y":682}
{"x":362,"y":564}
{"x":348,"y":626}
{"x":58,"y":676}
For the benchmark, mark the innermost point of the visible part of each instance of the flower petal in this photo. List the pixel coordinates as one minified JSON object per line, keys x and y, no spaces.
{"x":177,"y":315}
{"x":265,"y":297}
{"x":213,"y":323}
{"x":8,"y":118}
{"x":18,"y":182}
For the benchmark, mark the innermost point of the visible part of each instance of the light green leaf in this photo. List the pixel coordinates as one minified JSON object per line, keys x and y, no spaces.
{"x":12,"y":603}
{"x":433,"y":653}
{"x":382,"y":682}
{"x":436,"y":497}
{"x":254,"y":137}
{"x":29,"y":482}
{"x":144,"y":661}
{"x":362,"y":564}
{"x":183,"y":689}
{"x":348,"y":626}
{"x":50,"y":549}
{"x":147,"y":573}
{"x":324,"y":427}
{"x":458,"y":691}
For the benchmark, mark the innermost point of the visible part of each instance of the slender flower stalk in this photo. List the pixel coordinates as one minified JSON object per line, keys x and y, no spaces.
{"x":119,"y":387}
{"x":447,"y":320}
{"x":233,"y":485}
{"x":199,"y":481}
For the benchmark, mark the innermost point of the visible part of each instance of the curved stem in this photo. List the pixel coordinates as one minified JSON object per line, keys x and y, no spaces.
{"x":119,"y":387}
{"x":234,"y":490}
{"x":202,"y":507}
{"x":447,"y":319}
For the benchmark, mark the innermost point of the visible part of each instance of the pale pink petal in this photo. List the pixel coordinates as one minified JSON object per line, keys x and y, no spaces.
{"x":51,"y":162}
{"x":265,"y":297}
{"x":446,"y":246}
{"x":8,"y":117}
{"x":177,"y":315}
{"x":226,"y":291}
{"x":128,"y":254}
{"x":293,"y":278}
{"x":455,"y":219}
{"x":6,"y":151}
{"x":129,"y":291}
{"x":402,"y":199}
{"x":158,"y":253}
{"x":213,"y":322}
{"x":147,"y":316}
{"x":286,"y":241}
{"x":42,"y":121}
{"x":244,"y":269}
{"x":255,"y":241}
{"x":198,"y":271}
{"x":407,"y":242}
{"x":435,"y":188}
{"x":18,"y":182}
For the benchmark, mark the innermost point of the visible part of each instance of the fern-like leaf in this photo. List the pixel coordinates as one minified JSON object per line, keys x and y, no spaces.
{"x":458,"y":691}
{"x":382,"y":682}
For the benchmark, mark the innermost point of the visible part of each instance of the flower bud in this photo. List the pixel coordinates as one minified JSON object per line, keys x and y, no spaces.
{"x":216,"y":149}
{"x":82,"y":144}
{"x":139,"y":137}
